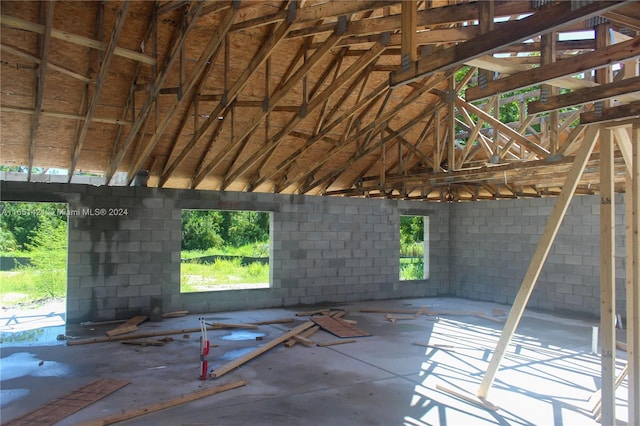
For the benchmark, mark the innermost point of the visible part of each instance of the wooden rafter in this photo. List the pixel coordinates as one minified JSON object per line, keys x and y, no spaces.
{"x":313,"y":104}
{"x":587,"y":61}
{"x":21,"y":24}
{"x":102,"y":74}
{"x":548,"y":19}
{"x":154,"y":91}
{"x":591,"y":94}
{"x":193,"y":78}
{"x":230,"y":96}
{"x":40,"y":80}
{"x":273,"y":100}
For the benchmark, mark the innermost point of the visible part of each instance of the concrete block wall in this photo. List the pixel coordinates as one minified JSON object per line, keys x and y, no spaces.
{"x":124,"y":248}
{"x":492,"y":243}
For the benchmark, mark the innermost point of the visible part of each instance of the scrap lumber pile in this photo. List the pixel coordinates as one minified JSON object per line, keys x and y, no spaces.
{"x":325,"y":319}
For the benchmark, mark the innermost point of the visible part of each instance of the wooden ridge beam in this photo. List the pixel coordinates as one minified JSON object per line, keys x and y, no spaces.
{"x":591,"y":94}
{"x":580,"y":63}
{"x":506,"y":66}
{"x":545,"y":20}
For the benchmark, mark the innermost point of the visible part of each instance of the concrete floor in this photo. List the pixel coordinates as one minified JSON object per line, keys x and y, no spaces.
{"x":547,"y":377}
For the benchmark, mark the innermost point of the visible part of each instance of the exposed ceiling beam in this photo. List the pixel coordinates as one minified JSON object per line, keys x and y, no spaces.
{"x":228,"y":98}
{"x":272,"y":101}
{"x":426,"y":18}
{"x":213,"y":46}
{"x":53,"y":67}
{"x":582,"y":96}
{"x":102,"y":74}
{"x":64,"y":115}
{"x":621,"y":112}
{"x":314,"y":103}
{"x":21,"y":24}
{"x":547,"y":19}
{"x":45,"y":40}
{"x":566,"y":67}
{"x":522,"y":140}
{"x":154,"y":91}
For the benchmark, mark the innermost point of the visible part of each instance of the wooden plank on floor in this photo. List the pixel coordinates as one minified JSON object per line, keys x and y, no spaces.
{"x":224,"y":369}
{"x":336,"y":342}
{"x":65,"y":406}
{"x":129,"y":326}
{"x":339,"y":327}
{"x":183,"y":399}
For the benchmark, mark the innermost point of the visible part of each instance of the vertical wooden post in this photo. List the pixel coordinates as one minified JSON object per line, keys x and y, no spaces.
{"x":409,"y":22}
{"x":633,"y":277}
{"x":539,"y":257}
{"x":451,"y":124}
{"x":548,"y":56}
{"x":607,"y":279}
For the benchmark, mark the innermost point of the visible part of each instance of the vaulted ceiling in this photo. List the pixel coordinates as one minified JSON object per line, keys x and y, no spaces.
{"x":438,"y":100}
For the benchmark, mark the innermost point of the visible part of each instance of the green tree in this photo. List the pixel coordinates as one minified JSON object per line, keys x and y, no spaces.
{"x":200,"y":230}
{"x":49,"y":257}
{"x":22,"y":220}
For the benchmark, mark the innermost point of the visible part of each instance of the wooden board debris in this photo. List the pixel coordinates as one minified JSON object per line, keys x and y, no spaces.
{"x":100,"y":323}
{"x":391,"y":311}
{"x":301,"y":339}
{"x":394,"y":318}
{"x":224,"y":369}
{"x":163,"y":333}
{"x":490,"y":318}
{"x":175,"y":314}
{"x":307,"y":333}
{"x":142,"y":342}
{"x":336,"y":342}
{"x":128,"y":327}
{"x":275,"y":321}
{"x":310,"y":313}
{"x":65,"y":406}
{"x":219,"y":325}
{"x":338,"y":327}
{"x":137,"y":412}
{"x":133,"y":336}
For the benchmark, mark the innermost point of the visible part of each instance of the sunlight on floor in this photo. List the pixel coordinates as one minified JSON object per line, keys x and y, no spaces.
{"x":539,"y":382}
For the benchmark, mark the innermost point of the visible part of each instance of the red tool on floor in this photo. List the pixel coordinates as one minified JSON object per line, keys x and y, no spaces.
{"x":204,"y":350}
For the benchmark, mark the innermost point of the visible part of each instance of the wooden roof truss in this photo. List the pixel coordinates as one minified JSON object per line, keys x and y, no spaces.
{"x":395,"y":99}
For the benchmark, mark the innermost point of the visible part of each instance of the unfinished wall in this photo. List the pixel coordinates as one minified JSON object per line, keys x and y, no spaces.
{"x":492,"y":243}
{"x":324,"y":249}
{"x":124,"y":248}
